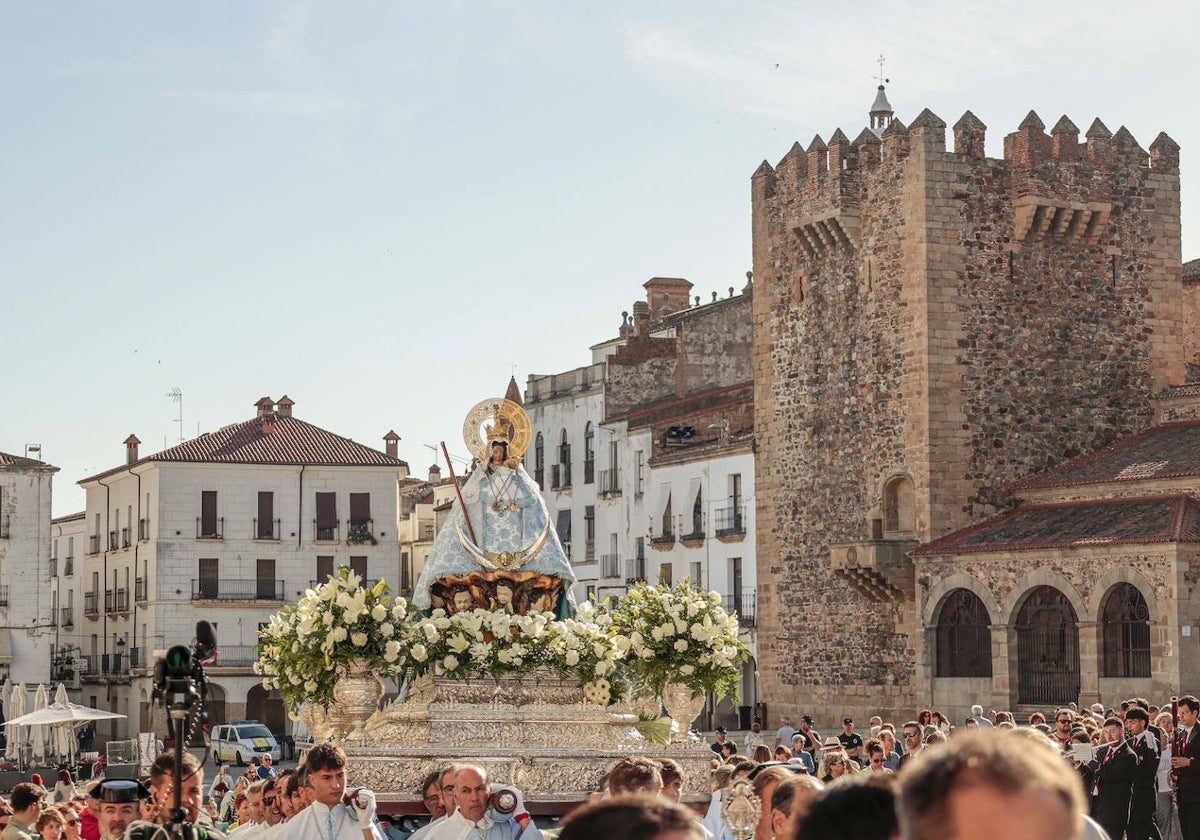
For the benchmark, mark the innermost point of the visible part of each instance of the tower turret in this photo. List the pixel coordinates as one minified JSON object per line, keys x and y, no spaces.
{"x":881,"y":112}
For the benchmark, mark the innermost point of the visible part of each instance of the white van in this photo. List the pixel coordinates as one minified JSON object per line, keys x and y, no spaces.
{"x":241,"y":740}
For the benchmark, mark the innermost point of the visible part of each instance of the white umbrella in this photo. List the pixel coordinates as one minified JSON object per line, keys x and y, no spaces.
{"x":37,"y":732}
{"x":64,"y":713}
{"x":64,"y":733}
{"x":5,"y":694}
{"x":17,"y":704}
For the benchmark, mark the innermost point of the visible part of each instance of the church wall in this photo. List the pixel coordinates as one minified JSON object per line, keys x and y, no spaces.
{"x":916,"y":313}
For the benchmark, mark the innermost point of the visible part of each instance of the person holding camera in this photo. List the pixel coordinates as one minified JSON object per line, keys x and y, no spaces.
{"x":334,"y":814}
{"x":485,"y":812}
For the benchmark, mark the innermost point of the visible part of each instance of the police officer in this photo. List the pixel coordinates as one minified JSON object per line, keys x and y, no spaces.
{"x":117,"y":805}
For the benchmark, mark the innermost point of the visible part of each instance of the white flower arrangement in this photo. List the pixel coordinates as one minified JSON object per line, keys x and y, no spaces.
{"x":303,"y":647}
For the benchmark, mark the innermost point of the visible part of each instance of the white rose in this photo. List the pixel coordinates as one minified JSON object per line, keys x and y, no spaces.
{"x":392,"y":650}
{"x":431,"y":632}
{"x":418,"y":652}
{"x":327,"y":619}
{"x":310,"y":685}
{"x":450,"y":662}
{"x":686,"y":670}
{"x":338,"y":634}
{"x":398,"y":610}
{"x":386,"y":629}
{"x":572,"y":658}
{"x":359,"y":639}
{"x":681,"y":645}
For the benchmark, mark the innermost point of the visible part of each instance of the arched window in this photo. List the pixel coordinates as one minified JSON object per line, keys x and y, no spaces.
{"x":589,"y":453}
{"x":539,"y":461}
{"x":1125,"y":624}
{"x":1047,"y":648}
{"x":899,"y":505}
{"x":964,"y":641}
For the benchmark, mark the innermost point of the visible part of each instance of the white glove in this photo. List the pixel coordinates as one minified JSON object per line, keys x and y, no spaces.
{"x":363,"y":804}
{"x":519,"y":811}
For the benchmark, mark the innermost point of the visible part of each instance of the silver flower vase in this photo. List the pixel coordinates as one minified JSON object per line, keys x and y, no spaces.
{"x":356,"y":697}
{"x":683,"y":706}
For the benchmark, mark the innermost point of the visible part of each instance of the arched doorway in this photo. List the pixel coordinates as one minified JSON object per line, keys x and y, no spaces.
{"x":1047,"y":633}
{"x":215,"y":704}
{"x":266,"y":707}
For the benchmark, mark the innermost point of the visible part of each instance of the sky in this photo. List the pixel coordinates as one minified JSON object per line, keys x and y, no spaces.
{"x":384,"y":210}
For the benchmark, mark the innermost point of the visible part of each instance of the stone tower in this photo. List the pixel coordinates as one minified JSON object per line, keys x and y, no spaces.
{"x":930,"y":326}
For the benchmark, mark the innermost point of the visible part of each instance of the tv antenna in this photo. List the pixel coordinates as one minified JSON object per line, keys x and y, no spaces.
{"x":176,"y":394}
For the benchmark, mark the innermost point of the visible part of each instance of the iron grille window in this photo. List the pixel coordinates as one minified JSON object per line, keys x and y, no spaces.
{"x":1126,"y":633}
{"x":964,"y":642}
{"x":1047,"y":648}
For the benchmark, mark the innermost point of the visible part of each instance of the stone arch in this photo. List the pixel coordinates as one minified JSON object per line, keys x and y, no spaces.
{"x":1043,"y":577}
{"x":1124,"y":632}
{"x":216,"y":704}
{"x":899,"y":505}
{"x":1107,"y":582}
{"x":937,"y":593}
{"x":266,"y":707}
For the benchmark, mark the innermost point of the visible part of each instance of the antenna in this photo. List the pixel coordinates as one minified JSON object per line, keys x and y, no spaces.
{"x":176,"y":394}
{"x":880,"y":61}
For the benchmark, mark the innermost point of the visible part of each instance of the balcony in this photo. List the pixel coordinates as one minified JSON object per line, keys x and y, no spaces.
{"x":267,"y":529}
{"x":222,"y":589}
{"x":360,"y":532}
{"x":89,"y":666}
{"x":610,"y":565}
{"x":139,"y":591}
{"x":589,"y":471}
{"x":427,"y":532}
{"x":663,"y":542}
{"x":116,"y":601}
{"x":214,"y":529}
{"x":91,"y":604}
{"x":66,"y":616}
{"x":325,"y":530}
{"x":635,"y":571}
{"x":114,"y":541}
{"x":125,"y":537}
{"x":730,"y":522}
{"x":4,"y":596}
{"x":367,"y":583}
{"x":53,"y":567}
{"x":609,"y":484}
{"x":743,"y":604}
{"x":94,"y":544}
{"x":114,"y":665}
{"x":143,"y":529}
{"x":879,"y":569}
{"x":69,"y":567}
{"x":234,"y":656}
{"x":4,"y":528}
{"x":560,"y":477}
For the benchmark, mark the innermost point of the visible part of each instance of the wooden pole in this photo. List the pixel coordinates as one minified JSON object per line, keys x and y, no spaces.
{"x":458,"y":492}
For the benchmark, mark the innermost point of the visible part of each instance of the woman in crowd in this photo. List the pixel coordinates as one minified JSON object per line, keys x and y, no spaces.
{"x":64,"y":788}
{"x":71,"y":822}
{"x":782,"y":753}
{"x":50,"y":825}
{"x":835,"y":764}
{"x":761,"y":754}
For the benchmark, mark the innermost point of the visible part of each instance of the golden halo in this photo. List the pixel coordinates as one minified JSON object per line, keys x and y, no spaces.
{"x":496,"y":413}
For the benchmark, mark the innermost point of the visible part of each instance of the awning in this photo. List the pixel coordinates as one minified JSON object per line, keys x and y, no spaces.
{"x":5,"y":646}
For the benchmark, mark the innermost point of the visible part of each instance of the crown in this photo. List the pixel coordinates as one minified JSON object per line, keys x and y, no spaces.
{"x":501,"y":431}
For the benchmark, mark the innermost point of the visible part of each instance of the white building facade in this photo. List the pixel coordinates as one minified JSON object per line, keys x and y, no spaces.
{"x":226,"y":528}
{"x":27,"y":600}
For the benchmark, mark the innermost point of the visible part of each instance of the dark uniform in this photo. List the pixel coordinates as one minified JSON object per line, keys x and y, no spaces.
{"x":1112,"y":786}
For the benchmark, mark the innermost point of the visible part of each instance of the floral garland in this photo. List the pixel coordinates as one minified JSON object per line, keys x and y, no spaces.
{"x":649,"y":637}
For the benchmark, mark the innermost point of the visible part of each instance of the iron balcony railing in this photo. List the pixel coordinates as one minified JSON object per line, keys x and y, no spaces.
{"x":144,"y":529}
{"x":69,"y":567}
{"x":94,"y":544}
{"x":743,"y":604}
{"x":360,"y":531}
{"x":589,"y":471}
{"x":731,"y":520}
{"x":91,"y":603}
{"x":125,"y":537}
{"x":635,"y":570}
{"x":325,"y":530}
{"x":267,"y":529}
{"x":113,"y":541}
{"x":560,"y":476}
{"x":89,"y":665}
{"x":4,"y":595}
{"x":213,"y":530}
{"x":66,"y":616}
{"x":235,"y":656}
{"x":609,"y":483}
{"x":224,"y":589}
{"x":139,"y":590}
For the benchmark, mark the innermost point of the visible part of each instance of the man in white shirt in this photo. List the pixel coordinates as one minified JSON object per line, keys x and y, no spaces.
{"x":475,"y":820}
{"x":329,"y":817}
{"x":440,"y":788}
{"x":783,"y":738}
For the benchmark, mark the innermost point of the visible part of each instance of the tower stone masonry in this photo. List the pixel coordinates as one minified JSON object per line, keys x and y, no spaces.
{"x":931,"y":325}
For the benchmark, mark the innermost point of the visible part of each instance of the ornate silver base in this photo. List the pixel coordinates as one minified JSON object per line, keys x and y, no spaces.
{"x":536,"y":733}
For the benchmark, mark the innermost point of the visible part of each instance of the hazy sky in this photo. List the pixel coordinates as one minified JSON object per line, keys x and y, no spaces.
{"x":378,"y":208}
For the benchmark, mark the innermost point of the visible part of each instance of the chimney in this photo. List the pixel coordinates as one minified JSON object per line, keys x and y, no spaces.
{"x":284,"y":407}
{"x":666,"y":295}
{"x":268,"y":423}
{"x":264,"y":406}
{"x":435,"y":474}
{"x":131,"y":449}
{"x":392,"y":444}
{"x":641,"y":318}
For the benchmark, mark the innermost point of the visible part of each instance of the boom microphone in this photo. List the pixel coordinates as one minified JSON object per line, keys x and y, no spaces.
{"x":206,"y":638}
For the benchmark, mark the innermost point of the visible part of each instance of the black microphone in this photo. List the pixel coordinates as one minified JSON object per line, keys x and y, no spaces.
{"x":206,"y":639}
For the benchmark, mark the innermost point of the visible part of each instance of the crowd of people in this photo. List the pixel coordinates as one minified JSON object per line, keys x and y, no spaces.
{"x":1125,"y":773}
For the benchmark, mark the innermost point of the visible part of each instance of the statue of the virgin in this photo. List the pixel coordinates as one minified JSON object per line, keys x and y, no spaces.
{"x":497,"y":547}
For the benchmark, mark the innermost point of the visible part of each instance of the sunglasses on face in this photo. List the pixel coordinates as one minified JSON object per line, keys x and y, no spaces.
{"x":835,"y":762}
{"x":269,"y":800}
{"x":75,"y":821}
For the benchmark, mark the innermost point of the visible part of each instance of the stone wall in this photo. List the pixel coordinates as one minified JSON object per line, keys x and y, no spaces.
{"x":959,"y":320}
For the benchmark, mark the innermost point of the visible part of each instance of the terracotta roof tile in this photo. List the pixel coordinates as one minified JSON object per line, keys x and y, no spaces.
{"x":19,"y":462}
{"x":1169,"y":450}
{"x":1158,"y":519}
{"x":292,"y":442}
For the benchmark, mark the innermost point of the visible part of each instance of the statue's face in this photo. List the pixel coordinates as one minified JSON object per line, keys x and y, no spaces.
{"x":503,"y":594}
{"x":498,"y":453}
{"x":463,"y":601}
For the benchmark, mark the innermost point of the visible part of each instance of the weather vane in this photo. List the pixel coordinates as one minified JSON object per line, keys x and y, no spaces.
{"x":880,"y":61}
